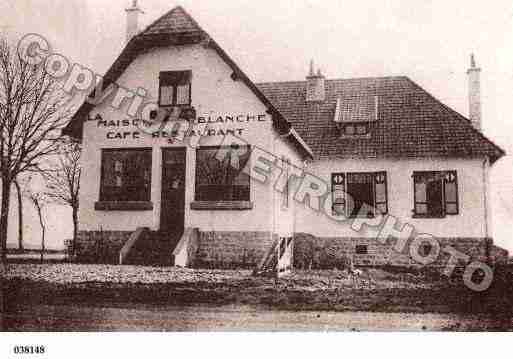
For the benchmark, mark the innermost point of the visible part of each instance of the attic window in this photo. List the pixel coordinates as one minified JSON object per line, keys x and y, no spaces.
{"x":355,"y":129}
{"x":175,"y":88}
{"x":354,"y":114}
{"x":362,"y":129}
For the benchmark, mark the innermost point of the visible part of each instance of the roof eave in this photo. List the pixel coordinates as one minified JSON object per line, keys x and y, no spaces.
{"x":307,"y":151}
{"x":131,"y":50}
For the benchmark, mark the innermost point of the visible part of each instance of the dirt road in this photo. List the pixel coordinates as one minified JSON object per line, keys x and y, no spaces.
{"x":231,"y":318}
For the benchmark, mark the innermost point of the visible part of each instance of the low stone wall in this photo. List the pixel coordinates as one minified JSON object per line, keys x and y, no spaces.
{"x":232,"y":249}
{"x":213,"y":249}
{"x":335,"y":252}
{"x":241,"y":249}
{"x":100,"y":246}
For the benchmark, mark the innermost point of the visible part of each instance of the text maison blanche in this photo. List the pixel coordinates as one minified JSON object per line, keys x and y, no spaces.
{"x":200,"y":119}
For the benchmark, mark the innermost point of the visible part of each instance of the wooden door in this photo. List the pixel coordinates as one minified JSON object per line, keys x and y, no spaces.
{"x":173,"y":190}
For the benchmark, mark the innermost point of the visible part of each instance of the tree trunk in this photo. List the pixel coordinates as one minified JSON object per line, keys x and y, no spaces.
{"x":4,"y":219}
{"x":42,"y":243}
{"x":75,"y":231}
{"x":20,"y":216}
{"x":41,"y":222}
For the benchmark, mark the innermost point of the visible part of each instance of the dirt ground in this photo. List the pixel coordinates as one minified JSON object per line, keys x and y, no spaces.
{"x":66,"y":273}
{"x":384,"y":290}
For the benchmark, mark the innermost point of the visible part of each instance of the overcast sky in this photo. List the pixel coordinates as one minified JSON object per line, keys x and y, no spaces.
{"x":271,"y":40}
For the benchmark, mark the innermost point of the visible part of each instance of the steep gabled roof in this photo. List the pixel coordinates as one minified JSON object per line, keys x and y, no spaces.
{"x":410,"y":121}
{"x":177,"y":27}
{"x":175,"y":21}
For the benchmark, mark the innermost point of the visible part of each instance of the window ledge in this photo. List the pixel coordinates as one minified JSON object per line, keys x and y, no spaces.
{"x":123,"y":206}
{"x":427,"y":216}
{"x":222,"y":205}
{"x":356,"y":136}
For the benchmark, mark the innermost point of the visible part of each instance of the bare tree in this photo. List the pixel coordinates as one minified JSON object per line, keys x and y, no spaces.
{"x":63,"y":182}
{"x":39,"y":201}
{"x":20,"y":213}
{"x":33,"y":110}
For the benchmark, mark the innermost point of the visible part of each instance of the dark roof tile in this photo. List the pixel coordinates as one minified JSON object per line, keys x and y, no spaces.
{"x":411,"y":122}
{"x":175,"y":21}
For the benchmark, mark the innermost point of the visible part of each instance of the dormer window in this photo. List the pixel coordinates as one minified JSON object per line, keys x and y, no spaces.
{"x":355,"y":113}
{"x":352,"y":129}
{"x":175,"y":88}
{"x":362,"y":129}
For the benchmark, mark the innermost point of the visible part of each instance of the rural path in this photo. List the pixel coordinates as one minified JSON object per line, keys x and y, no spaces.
{"x":224,"y":318}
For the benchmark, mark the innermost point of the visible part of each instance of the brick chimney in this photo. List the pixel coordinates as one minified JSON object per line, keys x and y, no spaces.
{"x":315,"y":90}
{"x":132,"y":20}
{"x":474,"y":93}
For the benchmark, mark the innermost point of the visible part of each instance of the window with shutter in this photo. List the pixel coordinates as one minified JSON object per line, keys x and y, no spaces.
{"x":451,"y":192}
{"x":338,"y":186}
{"x":351,"y":190}
{"x":435,"y":194}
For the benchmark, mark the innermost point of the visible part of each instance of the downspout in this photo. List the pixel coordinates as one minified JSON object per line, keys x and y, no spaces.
{"x":485,"y":198}
{"x":486,"y":215}
{"x":274,"y":196}
{"x":274,"y":200}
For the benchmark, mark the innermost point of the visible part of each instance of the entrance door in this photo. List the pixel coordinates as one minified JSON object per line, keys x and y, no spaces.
{"x":173,"y":190}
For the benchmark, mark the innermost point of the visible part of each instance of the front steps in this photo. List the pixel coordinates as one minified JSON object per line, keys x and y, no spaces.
{"x":279,"y":259}
{"x":153,"y":248}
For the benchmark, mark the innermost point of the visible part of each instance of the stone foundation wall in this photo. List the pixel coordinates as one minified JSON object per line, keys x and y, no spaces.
{"x":100,"y":246}
{"x":240,"y":249}
{"x":331,"y":252}
{"x":232,"y":249}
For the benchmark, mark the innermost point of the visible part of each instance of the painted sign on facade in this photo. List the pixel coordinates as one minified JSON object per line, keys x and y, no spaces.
{"x":208,"y":125}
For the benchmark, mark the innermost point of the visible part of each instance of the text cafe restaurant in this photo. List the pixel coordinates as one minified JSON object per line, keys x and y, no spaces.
{"x":188,"y":190}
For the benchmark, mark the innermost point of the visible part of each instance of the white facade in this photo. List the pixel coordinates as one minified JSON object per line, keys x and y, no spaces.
{"x":214,"y":94}
{"x":232,"y":230}
{"x":469,"y":222}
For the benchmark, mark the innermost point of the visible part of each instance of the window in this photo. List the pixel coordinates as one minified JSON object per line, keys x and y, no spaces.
{"x":361,"y":249}
{"x":351,"y":190}
{"x":175,"y":88}
{"x":126,"y":175}
{"x":222,"y":180}
{"x":361,"y":129}
{"x":338,"y":192}
{"x":356,"y":129}
{"x":350,"y":130}
{"x":435,"y":193}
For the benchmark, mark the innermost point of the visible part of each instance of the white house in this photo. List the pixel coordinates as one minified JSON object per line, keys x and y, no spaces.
{"x":187,"y":160}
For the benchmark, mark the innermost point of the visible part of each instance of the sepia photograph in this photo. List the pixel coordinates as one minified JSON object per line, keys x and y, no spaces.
{"x":255,"y":166}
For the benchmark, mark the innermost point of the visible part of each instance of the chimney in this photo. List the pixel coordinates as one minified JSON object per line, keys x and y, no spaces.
{"x":132,"y":20}
{"x":474,"y":93}
{"x":315,"y":90}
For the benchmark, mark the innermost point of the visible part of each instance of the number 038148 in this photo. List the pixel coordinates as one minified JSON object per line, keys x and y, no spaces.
{"x":29,"y":349}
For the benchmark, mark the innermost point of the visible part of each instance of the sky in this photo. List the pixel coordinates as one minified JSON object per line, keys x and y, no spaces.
{"x":274,"y":40}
